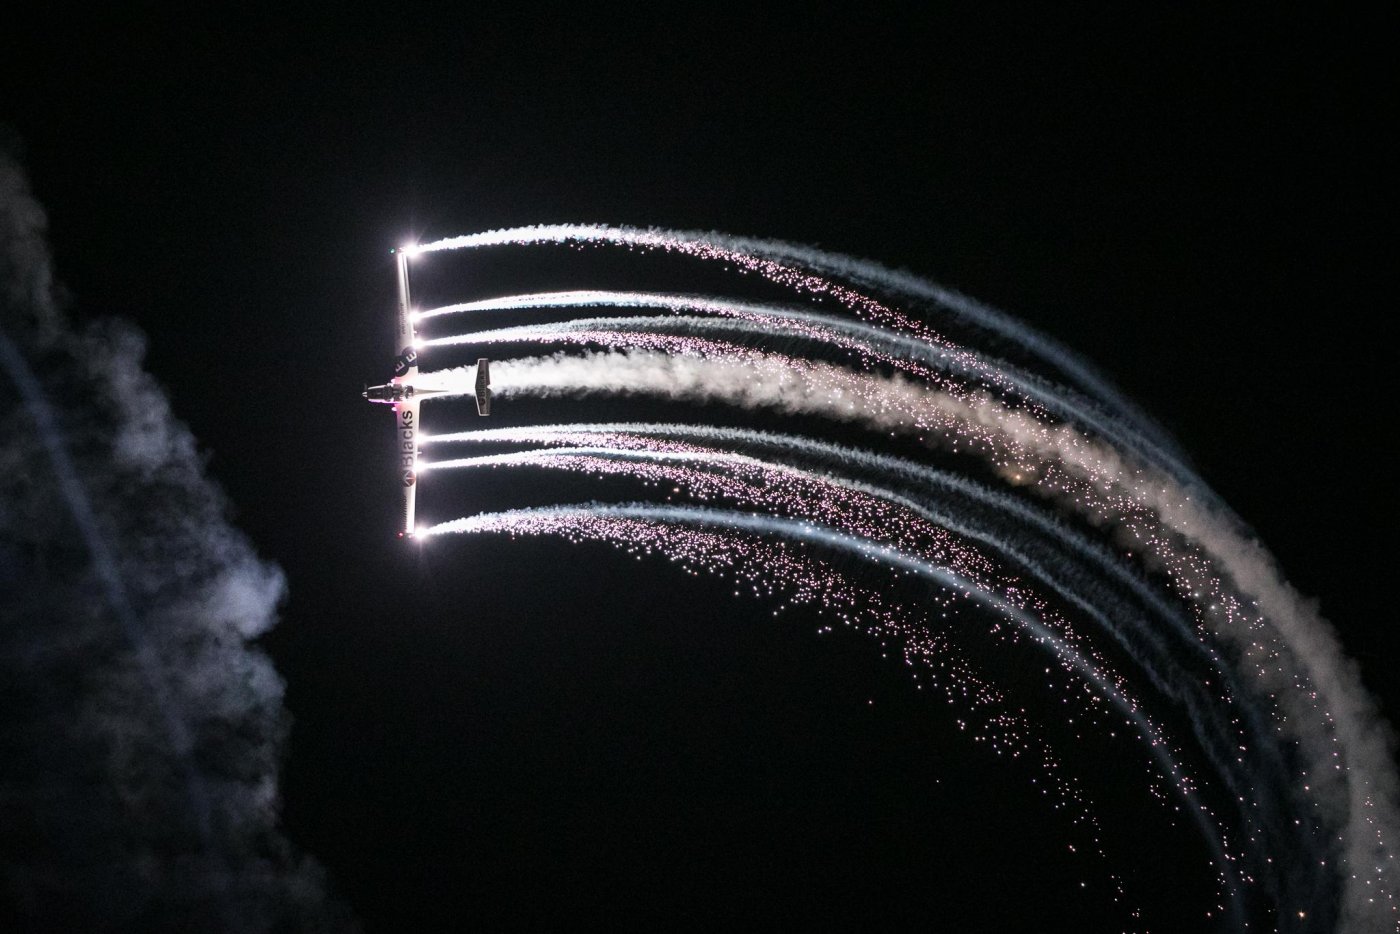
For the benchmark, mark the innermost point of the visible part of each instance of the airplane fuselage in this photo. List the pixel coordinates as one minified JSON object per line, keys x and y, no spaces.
{"x":394,"y":393}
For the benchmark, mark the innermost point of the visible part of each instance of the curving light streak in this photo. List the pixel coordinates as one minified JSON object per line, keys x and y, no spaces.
{"x":1283,"y":655}
{"x":650,"y":523}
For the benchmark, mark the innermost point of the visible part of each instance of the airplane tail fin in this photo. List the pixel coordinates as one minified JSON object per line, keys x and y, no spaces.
{"x":483,"y":386}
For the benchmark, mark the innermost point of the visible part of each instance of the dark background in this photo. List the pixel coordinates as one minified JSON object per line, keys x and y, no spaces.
{"x":516,"y":732}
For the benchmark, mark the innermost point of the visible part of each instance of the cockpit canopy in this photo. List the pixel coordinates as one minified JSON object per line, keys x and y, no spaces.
{"x":389,"y":392}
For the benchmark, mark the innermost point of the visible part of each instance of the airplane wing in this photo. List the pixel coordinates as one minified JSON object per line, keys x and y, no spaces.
{"x":406,"y":441}
{"x":405,"y":356}
{"x":483,"y":386}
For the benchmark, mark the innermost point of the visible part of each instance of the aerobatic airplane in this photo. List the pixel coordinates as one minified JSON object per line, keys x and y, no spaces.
{"x":406,"y":397}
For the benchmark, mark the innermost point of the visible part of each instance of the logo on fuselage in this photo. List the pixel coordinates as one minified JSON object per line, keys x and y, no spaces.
{"x":406,"y":360}
{"x":408,"y":446}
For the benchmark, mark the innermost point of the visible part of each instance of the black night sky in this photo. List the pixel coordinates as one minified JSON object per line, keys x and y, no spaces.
{"x":504,"y":734}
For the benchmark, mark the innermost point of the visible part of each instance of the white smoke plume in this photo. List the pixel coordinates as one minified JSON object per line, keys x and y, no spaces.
{"x":141,"y":730}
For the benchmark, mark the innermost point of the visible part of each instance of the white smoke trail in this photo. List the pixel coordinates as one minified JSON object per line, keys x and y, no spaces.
{"x":940,"y":489}
{"x":752,"y":482}
{"x":1335,"y":721}
{"x":944,"y":485}
{"x":768,"y":256}
{"x":1262,"y":779}
{"x":1115,"y":624}
{"x":908,"y":353}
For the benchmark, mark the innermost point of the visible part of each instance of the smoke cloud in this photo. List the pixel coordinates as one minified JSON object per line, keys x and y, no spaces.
{"x":142,"y":730}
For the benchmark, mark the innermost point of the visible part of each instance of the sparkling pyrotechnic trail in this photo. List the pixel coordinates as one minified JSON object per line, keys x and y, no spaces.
{"x":1274,"y":706}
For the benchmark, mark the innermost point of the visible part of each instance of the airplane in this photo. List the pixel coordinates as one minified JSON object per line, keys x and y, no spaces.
{"x":406,"y":397}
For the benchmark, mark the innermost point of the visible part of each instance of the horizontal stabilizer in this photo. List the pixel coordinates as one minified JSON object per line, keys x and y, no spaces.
{"x":483,"y":386}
